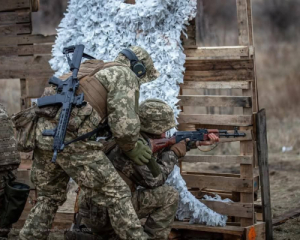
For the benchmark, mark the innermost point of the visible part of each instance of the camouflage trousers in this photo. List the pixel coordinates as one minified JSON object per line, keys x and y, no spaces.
{"x":96,"y":176}
{"x":158,"y":205}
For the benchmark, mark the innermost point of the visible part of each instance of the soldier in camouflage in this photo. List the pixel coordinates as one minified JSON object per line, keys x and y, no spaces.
{"x":9,"y":162}
{"x":85,"y":161}
{"x":155,"y":201}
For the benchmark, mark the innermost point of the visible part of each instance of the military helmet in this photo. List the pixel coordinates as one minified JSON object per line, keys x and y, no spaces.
{"x":156,"y":116}
{"x":142,"y":55}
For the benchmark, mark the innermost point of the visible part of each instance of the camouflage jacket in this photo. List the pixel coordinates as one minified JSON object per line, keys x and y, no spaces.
{"x":141,"y":175}
{"x":122,"y":87}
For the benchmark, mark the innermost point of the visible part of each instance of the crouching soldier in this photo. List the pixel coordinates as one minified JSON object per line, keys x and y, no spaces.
{"x":13,"y":195}
{"x":152,"y":199}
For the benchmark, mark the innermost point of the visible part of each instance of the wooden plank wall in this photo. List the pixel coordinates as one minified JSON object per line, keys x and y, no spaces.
{"x":22,"y":55}
{"x":219,"y":69}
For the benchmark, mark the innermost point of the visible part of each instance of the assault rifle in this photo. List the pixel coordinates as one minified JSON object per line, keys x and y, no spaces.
{"x":193,"y":136}
{"x":65,"y":96}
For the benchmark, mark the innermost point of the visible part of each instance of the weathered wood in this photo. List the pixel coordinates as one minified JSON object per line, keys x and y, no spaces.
{"x":230,"y":120}
{"x":26,"y":39}
{"x":35,"y":5}
{"x":130,"y":1}
{"x":29,"y":66}
{"x":9,"y":5}
{"x":262,"y":154}
{"x":202,"y":52}
{"x":215,"y":85}
{"x":244,"y":210}
{"x":246,"y":148}
{"x":256,"y":232}
{"x":14,"y":17}
{"x":35,"y":86}
{"x":218,"y":159}
{"x":243,"y":27}
{"x":238,"y":231}
{"x":214,"y":101}
{"x":227,"y":183}
{"x":219,"y":75}
{"x":14,"y":29}
{"x":192,"y":64}
{"x":286,"y":216}
{"x":23,"y":176}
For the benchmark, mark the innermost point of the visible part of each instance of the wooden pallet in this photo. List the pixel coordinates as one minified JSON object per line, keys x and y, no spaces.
{"x":223,"y":69}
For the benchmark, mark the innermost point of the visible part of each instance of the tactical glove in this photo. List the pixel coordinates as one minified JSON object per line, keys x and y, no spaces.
{"x":141,"y":154}
{"x":179,"y":149}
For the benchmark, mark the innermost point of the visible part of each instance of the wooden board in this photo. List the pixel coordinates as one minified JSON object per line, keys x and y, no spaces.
{"x":242,"y":18}
{"x":227,"y":183}
{"x":30,"y":66}
{"x":215,"y":85}
{"x":202,"y":52}
{"x":35,"y":86}
{"x":256,"y":232}
{"x":15,"y":17}
{"x":291,"y":214}
{"x":26,"y":39}
{"x":231,"y":209}
{"x":25,"y":50}
{"x":215,"y":101}
{"x":9,"y":5}
{"x":218,"y":159}
{"x":193,"y":64}
{"x":262,"y":154}
{"x":230,"y":120}
{"x":14,"y":29}
{"x":219,"y":75}
{"x":239,"y":231}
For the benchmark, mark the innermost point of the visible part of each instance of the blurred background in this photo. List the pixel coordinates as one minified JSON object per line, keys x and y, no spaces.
{"x":277,"y":36}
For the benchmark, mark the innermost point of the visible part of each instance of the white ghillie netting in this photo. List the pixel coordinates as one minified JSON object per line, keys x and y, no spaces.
{"x":190,"y":207}
{"x":106,"y":27}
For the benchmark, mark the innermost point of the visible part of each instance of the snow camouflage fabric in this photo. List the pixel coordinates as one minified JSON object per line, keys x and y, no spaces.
{"x":86,"y":163}
{"x":156,"y":116}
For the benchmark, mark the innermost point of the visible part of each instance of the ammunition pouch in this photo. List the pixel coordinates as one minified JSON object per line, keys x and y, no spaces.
{"x":15,"y":197}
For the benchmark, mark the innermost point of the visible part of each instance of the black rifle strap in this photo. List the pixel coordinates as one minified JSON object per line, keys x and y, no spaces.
{"x":89,"y":134}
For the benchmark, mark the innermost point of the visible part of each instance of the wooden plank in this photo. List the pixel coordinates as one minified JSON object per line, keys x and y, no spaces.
{"x":242,"y":18}
{"x":291,"y":214}
{"x":192,"y":64}
{"x":218,"y":159}
{"x":9,"y":5}
{"x":256,"y":232}
{"x":23,"y":176}
{"x":233,"y":230}
{"x":215,"y":101}
{"x":227,"y":183}
{"x":215,"y":85}
{"x":35,"y":86}
{"x":202,"y":52}
{"x":14,"y":29}
{"x":230,"y":120}
{"x":29,"y":66}
{"x":219,"y":75}
{"x":15,"y":17}
{"x":26,"y":39}
{"x":230,"y":209}
{"x":262,"y":154}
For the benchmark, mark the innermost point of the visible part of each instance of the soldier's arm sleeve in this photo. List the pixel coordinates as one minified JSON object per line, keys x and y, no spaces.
{"x":167,"y":161}
{"x":122,"y":106}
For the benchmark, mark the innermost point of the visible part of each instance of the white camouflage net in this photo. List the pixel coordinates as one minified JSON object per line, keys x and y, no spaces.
{"x":106,"y":27}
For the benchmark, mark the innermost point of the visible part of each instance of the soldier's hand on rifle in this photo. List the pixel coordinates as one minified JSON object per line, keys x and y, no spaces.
{"x":213,"y":138}
{"x":141,"y":154}
{"x":179,"y":149}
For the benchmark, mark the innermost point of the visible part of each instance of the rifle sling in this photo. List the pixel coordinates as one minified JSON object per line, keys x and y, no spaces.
{"x":88,"y":135}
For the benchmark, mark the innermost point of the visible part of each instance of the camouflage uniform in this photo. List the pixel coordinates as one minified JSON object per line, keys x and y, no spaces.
{"x":155,"y":201}
{"x":85,"y":162}
{"x":9,"y":156}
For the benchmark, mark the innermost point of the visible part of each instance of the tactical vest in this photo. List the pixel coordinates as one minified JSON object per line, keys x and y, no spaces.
{"x":94,"y":92}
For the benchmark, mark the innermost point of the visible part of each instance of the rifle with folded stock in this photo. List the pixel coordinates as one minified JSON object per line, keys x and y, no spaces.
{"x":200,"y":135}
{"x":66,"y":97}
